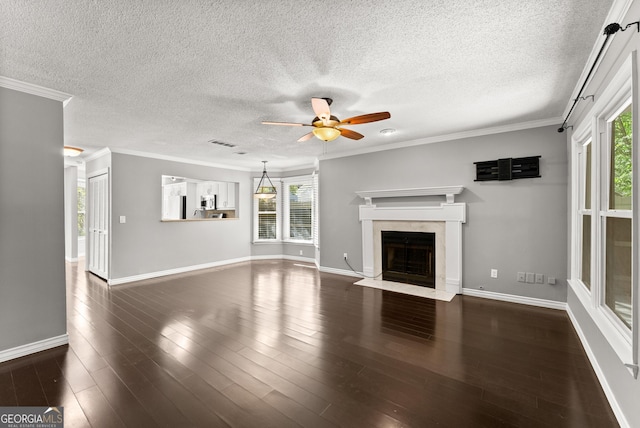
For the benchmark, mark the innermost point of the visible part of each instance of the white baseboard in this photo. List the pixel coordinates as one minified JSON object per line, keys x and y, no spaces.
{"x":32,"y":348}
{"x":532,"y":301}
{"x":71,"y":259}
{"x":158,"y":274}
{"x":184,"y":269}
{"x":615,"y":407}
{"x":285,"y":257}
{"x":344,"y":272}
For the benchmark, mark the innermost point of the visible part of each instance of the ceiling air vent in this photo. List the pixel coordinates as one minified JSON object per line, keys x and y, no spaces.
{"x":240,"y":153}
{"x":221,"y":143}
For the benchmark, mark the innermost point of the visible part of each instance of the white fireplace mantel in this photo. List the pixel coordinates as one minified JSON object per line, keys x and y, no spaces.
{"x":448,"y":191}
{"x":452,"y":214}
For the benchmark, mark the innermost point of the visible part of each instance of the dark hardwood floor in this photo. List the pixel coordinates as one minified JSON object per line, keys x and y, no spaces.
{"x":278,"y":344}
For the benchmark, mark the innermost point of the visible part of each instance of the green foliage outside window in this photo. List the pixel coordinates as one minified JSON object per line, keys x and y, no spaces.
{"x":622,"y":139}
{"x":81,"y":210}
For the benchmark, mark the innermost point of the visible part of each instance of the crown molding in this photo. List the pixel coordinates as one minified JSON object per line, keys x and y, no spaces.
{"x":449,"y":137}
{"x":30,"y":88}
{"x":96,"y":155}
{"x":176,"y":159}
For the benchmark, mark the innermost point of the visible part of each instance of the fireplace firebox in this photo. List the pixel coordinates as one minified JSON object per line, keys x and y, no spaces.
{"x":409,"y":257}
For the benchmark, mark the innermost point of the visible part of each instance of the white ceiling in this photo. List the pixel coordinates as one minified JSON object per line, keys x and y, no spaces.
{"x":165,"y":77}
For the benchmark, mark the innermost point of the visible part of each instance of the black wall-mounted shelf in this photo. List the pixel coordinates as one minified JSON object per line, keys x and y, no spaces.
{"x":508,"y":169}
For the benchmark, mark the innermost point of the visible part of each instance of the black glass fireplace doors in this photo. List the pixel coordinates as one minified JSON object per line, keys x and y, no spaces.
{"x":409,"y":257}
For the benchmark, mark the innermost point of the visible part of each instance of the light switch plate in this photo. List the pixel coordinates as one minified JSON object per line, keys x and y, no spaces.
{"x":123,"y":219}
{"x":530,"y":277}
{"x":494,"y":273}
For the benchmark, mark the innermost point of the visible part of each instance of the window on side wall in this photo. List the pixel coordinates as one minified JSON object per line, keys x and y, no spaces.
{"x":299,"y":210}
{"x":616,"y":216}
{"x":266,"y":215}
{"x":584,"y":217}
{"x":603,"y":273}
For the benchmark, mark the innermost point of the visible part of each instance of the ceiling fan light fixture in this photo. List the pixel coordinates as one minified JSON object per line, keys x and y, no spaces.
{"x":72,"y":151}
{"x":326,"y":134}
{"x":264,"y":191}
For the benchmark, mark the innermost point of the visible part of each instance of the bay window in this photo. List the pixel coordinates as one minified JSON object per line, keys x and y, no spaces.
{"x":291,"y":215}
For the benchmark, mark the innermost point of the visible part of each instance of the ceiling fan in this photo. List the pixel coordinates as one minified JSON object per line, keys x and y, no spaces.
{"x":328,"y":127}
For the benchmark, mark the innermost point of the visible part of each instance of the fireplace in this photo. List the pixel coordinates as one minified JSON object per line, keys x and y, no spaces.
{"x":444,"y":220}
{"x":409,"y":257}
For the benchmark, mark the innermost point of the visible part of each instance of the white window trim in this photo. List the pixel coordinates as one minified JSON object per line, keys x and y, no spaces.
{"x":278,"y":185}
{"x":580,"y":211}
{"x":622,"y":87}
{"x":286,"y":237}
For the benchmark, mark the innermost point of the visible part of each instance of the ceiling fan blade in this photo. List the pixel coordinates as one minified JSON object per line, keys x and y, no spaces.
{"x":350,"y":134}
{"x":285,"y":123}
{"x":305,"y":137}
{"x":321,"y":109}
{"x":366,"y":118}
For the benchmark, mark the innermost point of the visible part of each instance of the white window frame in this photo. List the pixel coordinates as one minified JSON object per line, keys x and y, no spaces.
{"x":581,"y":211}
{"x":278,"y":185}
{"x":286,"y":182}
{"x":603,"y":212}
{"x":621,"y":90}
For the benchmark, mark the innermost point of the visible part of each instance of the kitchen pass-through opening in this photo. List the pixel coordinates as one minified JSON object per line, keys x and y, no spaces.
{"x":409,"y":257}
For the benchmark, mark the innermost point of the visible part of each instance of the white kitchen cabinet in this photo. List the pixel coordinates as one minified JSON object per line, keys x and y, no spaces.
{"x":226,"y":196}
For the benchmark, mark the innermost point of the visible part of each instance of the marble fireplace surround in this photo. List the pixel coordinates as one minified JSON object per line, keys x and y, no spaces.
{"x":445,"y":220}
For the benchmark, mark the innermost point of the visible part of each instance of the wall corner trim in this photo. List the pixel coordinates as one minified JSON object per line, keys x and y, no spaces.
{"x":32,"y":348}
{"x":622,"y":420}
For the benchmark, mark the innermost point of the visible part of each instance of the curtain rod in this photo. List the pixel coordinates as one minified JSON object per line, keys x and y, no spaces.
{"x":609,"y":31}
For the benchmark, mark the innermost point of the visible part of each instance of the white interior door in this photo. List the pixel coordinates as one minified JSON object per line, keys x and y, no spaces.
{"x":98,"y":230}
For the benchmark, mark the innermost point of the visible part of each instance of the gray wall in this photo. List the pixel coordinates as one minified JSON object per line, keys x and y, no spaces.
{"x":32,"y":277}
{"x":512,"y":226}
{"x":144,"y":244}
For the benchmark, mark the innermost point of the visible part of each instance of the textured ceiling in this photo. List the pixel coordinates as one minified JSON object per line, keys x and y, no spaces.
{"x":166,"y":77}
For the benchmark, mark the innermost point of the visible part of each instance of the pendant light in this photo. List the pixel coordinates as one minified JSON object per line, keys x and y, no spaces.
{"x":263,"y":191}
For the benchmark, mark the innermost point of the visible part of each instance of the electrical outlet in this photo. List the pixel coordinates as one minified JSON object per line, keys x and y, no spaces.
{"x":539,"y":278}
{"x":531,"y":278}
{"x":551,"y":280}
{"x":520,"y":277}
{"x":494,"y":273}
{"x":345,"y":256}
{"x":300,"y":252}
